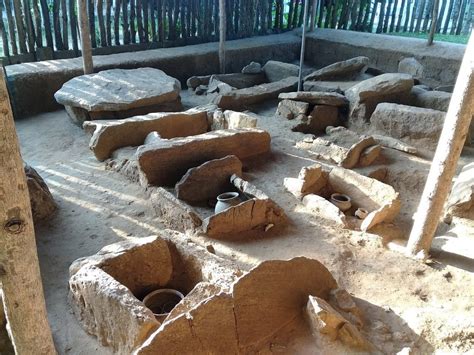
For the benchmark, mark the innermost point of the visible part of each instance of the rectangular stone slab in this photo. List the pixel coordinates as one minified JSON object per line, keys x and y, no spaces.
{"x":111,"y":135}
{"x":164,"y":163}
{"x":238,"y":99}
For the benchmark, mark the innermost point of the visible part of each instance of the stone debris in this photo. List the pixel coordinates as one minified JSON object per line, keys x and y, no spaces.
{"x":252,"y":68}
{"x":236,"y":119}
{"x":316,"y":98}
{"x":218,"y":87}
{"x":111,"y":135}
{"x":436,"y":100}
{"x":325,"y":320}
{"x":164,"y":163}
{"x":324,"y":209}
{"x":365,"y":96}
{"x":290,"y":109}
{"x":208,"y":180}
{"x":236,"y":80}
{"x":238,"y":99}
{"x":421,"y":126}
{"x":118,"y":93}
{"x":411,"y":66}
{"x":310,"y":179}
{"x":347,"y":69}
{"x":319,"y":119}
{"x":343,"y":147}
{"x":276,"y":71}
{"x":461,"y":199}
{"x":329,"y":86}
{"x":369,"y":155}
{"x":42,"y":202}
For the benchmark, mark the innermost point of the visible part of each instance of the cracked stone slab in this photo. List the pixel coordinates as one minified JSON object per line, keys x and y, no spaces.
{"x":165,"y":162}
{"x":119,"y":89}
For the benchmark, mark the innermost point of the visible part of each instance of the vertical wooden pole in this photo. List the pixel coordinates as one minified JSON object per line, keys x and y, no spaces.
{"x":86,"y":44}
{"x":303,"y":45}
{"x":443,"y":167}
{"x":20,"y":277}
{"x":434,"y":22}
{"x":314,"y":9}
{"x":222,"y":34}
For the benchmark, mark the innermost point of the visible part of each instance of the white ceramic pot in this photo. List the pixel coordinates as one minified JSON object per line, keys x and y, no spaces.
{"x":226,"y":200}
{"x":341,"y":201}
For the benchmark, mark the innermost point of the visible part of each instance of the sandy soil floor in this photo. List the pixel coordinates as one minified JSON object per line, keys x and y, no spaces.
{"x":428,"y":307}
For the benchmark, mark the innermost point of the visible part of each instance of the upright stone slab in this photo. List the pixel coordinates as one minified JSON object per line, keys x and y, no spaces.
{"x":276,"y":71}
{"x":166,"y":162}
{"x":208,"y":180}
{"x":347,"y":69}
{"x":118,"y":93}
{"x":420,"y":125}
{"x":461,"y":199}
{"x":319,"y":119}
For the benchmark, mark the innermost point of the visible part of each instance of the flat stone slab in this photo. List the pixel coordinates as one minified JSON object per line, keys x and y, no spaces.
{"x":165,"y":162}
{"x":316,"y":98}
{"x":381,"y":85}
{"x":346,"y":69}
{"x":238,"y":99}
{"x":119,"y":90}
{"x":109,"y":136}
{"x":208,"y":180}
{"x":276,"y":71}
{"x":329,"y":86}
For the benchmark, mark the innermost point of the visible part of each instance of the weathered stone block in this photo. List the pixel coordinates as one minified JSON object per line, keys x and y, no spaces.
{"x":347,"y":69}
{"x":166,"y":162}
{"x":276,"y":71}
{"x":411,"y":66}
{"x":240,"y":120}
{"x":436,"y":100}
{"x":461,"y":199}
{"x":316,"y":98}
{"x":208,"y":180}
{"x":319,"y":119}
{"x":324,"y":209}
{"x":42,"y":202}
{"x":289,"y":109}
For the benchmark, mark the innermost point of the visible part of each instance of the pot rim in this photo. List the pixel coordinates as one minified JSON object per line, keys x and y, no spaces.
{"x":340,"y":197}
{"x":226,"y":196}
{"x":162,"y":290}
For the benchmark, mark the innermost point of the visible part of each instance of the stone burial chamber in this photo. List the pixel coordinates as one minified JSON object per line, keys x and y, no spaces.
{"x":191,"y":206}
{"x":224,"y":309}
{"x":119,"y":93}
{"x":371,"y":201}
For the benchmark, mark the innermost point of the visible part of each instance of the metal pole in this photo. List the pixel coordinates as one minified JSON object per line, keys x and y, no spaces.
{"x":303,"y":44}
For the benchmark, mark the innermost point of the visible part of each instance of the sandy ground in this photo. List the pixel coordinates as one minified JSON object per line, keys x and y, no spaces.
{"x":407,"y":304}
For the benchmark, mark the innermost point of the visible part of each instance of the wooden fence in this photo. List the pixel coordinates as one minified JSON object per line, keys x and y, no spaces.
{"x":46,"y":29}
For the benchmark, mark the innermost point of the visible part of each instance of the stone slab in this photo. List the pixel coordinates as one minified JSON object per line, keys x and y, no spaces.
{"x":316,"y":98}
{"x":276,"y":71}
{"x":166,"y":162}
{"x":347,"y":69}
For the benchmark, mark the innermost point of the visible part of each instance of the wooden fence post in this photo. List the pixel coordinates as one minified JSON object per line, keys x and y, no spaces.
{"x":222,"y":34}
{"x":434,"y":22}
{"x":20,"y":277}
{"x":86,"y":44}
{"x":443,"y":167}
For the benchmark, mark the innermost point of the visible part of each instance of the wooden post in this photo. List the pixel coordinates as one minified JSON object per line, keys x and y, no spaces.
{"x":303,"y":46}
{"x":222,"y":34}
{"x":443,"y":167}
{"x":86,"y":44}
{"x":314,"y":8}
{"x":20,"y":278}
{"x":434,"y":22}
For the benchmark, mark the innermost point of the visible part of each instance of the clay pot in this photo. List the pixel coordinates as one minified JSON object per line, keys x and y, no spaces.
{"x":361,"y":213}
{"x":226,"y":200}
{"x":162,"y":301}
{"x":341,"y":201}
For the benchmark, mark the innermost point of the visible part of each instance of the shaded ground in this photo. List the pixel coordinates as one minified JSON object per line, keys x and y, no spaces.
{"x":425,"y":307}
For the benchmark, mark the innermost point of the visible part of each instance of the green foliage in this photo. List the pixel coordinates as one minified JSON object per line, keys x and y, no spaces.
{"x":438,"y":36}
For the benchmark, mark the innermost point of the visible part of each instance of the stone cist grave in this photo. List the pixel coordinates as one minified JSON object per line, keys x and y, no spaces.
{"x":119,"y":93}
{"x":315,"y":186}
{"x":190,"y":208}
{"x":343,"y":147}
{"x":225,"y":310}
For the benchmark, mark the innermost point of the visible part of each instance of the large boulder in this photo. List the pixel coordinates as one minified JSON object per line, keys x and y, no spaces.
{"x":365,"y":96}
{"x":411,"y":66}
{"x":347,"y":69}
{"x":276,"y":71}
{"x":42,"y":202}
{"x":421,"y":126}
{"x":118,"y":93}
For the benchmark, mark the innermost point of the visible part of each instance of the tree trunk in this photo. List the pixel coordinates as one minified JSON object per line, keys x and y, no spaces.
{"x":441,"y":15}
{"x":461,"y":17}
{"x":443,"y":167}
{"x":11,"y":26}
{"x":222,"y":34}
{"x":454,"y":17}
{"x":6,"y":50}
{"x":20,"y":277}
{"x":448,"y":17}
{"x":86,"y":45}
{"x":100,"y":17}
{"x":20,"y":26}
{"x":314,"y":9}
{"x":125,"y":24}
{"x":64,"y":23}
{"x":117,"y":23}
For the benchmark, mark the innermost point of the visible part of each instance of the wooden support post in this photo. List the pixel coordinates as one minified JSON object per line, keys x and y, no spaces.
{"x":443,"y":167}
{"x":20,"y":277}
{"x":434,"y":22}
{"x":303,"y":45}
{"x":314,"y":9}
{"x":222,"y":34}
{"x":86,"y":44}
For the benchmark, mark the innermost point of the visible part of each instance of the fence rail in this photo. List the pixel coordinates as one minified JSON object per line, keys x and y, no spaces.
{"x":45,"y":29}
